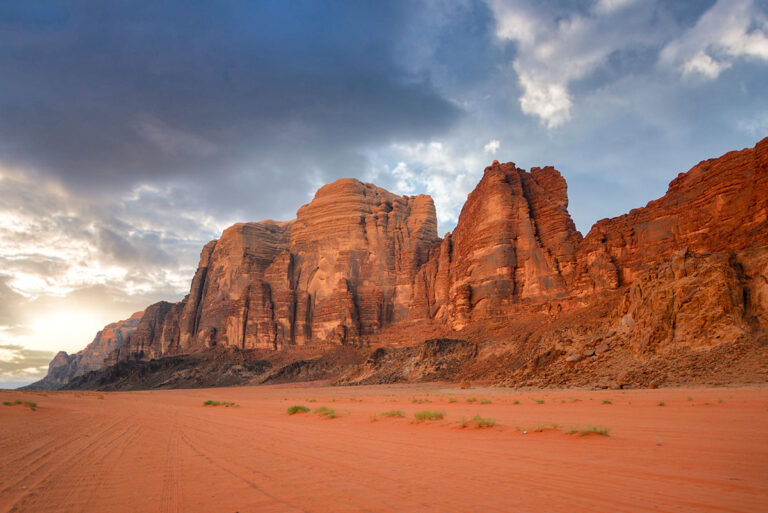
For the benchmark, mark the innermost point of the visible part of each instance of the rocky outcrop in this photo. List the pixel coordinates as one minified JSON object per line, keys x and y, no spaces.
{"x":514,"y":242}
{"x":358,"y":260}
{"x":65,"y":367}
{"x":359,"y":265}
{"x":342,"y":269}
{"x":719,"y":206}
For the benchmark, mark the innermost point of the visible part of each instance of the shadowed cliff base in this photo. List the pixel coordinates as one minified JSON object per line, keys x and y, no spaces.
{"x":674,"y":292}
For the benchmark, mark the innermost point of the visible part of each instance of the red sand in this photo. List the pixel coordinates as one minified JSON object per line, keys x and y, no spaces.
{"x":165,"y":451}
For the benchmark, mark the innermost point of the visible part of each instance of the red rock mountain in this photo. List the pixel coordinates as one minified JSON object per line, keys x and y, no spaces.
{"x":360,"y":264}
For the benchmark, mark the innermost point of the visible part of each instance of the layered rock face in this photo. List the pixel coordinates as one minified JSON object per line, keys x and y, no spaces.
{"x":358,"y":259}
{"x":689,"y":270}
{"x":720,"y":205}
{"x":64,"y":367}
{"x":514,"y":242}
{"x":342,"y":269}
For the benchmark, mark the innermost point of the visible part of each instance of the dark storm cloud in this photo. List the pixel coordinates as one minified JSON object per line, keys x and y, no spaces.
{"x":108,"y":94}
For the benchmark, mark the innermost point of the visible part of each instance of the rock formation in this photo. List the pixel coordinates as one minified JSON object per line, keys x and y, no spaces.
{"x":689,"y":270}
{"x":64,"y":367}
{"x":342,"y":270}
{"x":514,"y":241}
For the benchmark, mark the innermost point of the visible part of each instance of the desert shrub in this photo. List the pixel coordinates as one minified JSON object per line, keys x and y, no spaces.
{"x":594,"y":430}
{"x":485,"y":401}
{"x":483,"y":422}
{"x":452,"y":399}
{"x":471,"y":399}
{"x":324,"y":411}
{"x":293,"y":410}
{"x":421,"y":416}
{"x":32,"y":405}
{"x":393,"y":413}
{"x":218,"y":403}
{"x":606,"y":401}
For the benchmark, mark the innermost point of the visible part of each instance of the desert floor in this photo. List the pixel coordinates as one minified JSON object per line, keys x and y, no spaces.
{"x":704,"y":449}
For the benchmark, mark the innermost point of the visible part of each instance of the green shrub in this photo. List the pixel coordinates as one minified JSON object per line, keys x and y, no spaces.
{"x":32,"y":405}
{"x":483,"y":422}
{"x":515,"y":402}
{"x":393,"y":413}
{"x":421,"y":416}
{"x":297,"y":409}
{"x":452,"y":399}
{"x":471,"y":399}
{"x":661,"y":403}
{"x":218,"y":403}
{"x":485,"y":401}
{"x":324,"y":411}
{"x":606,"y":401}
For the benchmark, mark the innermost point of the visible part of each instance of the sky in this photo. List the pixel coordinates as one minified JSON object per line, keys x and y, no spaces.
{"x":132,"y":132}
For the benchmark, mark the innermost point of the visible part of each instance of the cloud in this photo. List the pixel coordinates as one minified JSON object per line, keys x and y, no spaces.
{"x":173,"y":141}
{"x":144,"y":95}
{"x":608,"y":6}
{"x":446,"y":171}
{"x":550,"y":53}
{"x":19,"y":365}
{"x":730,"y":30}
{"x":492,"y":147}
{"x":555,"y":48}
{"x":55,"y":242}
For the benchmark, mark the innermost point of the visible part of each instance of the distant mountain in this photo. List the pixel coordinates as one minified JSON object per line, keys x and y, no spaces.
{"x":65,"y":367}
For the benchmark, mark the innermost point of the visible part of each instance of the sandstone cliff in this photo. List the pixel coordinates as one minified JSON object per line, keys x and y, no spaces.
{"x":359,"y":265}
{"x":341,"y":270}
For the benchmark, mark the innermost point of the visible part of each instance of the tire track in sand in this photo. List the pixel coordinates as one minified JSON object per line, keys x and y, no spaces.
{"x":172,"y":498}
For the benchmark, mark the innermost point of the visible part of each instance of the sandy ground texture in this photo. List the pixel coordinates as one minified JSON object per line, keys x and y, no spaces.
{"x":164,"y":451}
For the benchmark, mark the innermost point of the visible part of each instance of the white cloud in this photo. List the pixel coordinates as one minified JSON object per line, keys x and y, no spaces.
{"x":492,"y":147}
{"x":729,"y":30}
{"x":608,"y":6}
{"x":444,"y":172}
{"x":68,"y":266}
{"x":703,"y":64}
{"x":405,"y":178}
{"x":554,"y":50}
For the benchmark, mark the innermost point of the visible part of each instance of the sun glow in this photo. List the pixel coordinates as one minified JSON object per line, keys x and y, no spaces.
{"x":69,"y":329}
